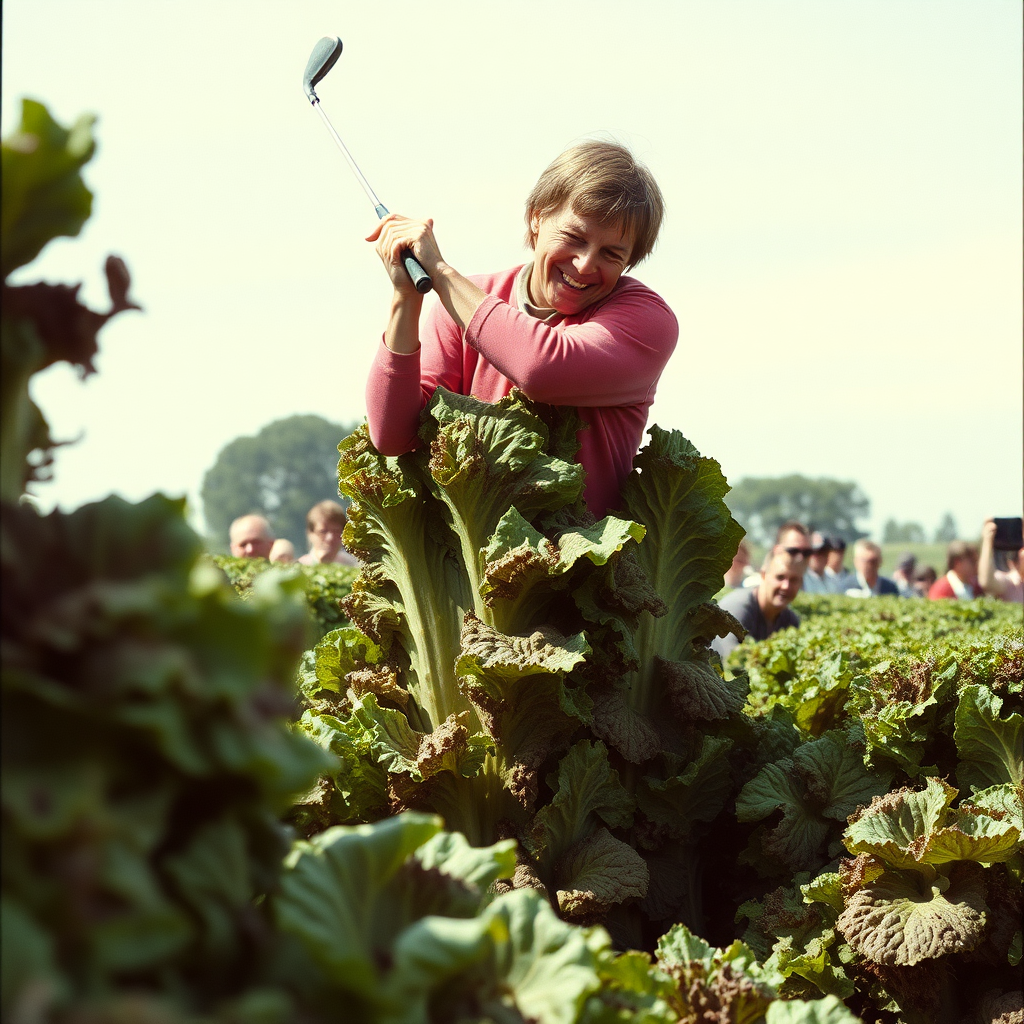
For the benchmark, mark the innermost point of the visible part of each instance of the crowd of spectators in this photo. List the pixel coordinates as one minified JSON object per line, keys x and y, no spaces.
{"x":251,"y":536}
{"x":815,"y":562}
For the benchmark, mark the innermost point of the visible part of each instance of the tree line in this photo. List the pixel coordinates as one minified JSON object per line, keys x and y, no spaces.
{"x":291,"y":464}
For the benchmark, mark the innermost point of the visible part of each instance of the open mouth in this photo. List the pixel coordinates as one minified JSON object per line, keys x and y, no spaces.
{"x":578,"y":286}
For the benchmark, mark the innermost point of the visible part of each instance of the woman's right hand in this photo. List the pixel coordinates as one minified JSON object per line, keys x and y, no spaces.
{"x":393,"y":235}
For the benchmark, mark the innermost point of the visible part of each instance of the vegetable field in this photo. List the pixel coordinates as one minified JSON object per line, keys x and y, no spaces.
{"x":497,"y":774}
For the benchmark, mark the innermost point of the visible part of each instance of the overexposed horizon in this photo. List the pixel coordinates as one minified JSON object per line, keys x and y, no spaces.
{"x":842,"y":244}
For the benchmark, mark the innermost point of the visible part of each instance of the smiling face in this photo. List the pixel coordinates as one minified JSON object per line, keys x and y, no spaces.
{"x":780,"y":583}
{"x":577,"y":260}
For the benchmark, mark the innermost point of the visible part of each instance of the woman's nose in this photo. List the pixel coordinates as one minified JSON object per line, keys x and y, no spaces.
{"x":585,"y":261}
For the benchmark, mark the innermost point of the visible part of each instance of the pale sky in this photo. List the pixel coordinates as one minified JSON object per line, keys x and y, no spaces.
{"x":842,"y":245}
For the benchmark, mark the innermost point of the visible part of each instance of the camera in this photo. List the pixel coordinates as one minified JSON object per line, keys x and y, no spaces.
{"x":1009,"y":534}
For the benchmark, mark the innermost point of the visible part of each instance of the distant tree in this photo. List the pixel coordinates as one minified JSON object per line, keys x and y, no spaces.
{"x":283,"y":471}
{"x":902,"y":533}
{"x":946,"y":530}
{"x":763,"y":504}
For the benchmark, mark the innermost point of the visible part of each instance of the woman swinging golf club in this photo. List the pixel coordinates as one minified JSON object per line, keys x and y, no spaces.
{"x":567,"y":328}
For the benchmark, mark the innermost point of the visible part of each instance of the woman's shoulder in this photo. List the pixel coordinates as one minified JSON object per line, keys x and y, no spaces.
{"x":632,"y":302}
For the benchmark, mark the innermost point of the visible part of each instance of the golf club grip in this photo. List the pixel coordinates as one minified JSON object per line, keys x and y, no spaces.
{"x":417,"y":274}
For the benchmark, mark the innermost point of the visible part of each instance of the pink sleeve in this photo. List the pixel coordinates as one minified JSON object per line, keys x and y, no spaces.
{"x":613,"y":358}
{"x":400,"y":385}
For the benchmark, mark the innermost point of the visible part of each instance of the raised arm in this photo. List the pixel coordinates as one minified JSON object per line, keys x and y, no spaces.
{"x":987,"y":579}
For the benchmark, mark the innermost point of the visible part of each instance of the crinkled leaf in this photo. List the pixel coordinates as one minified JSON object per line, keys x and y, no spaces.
{"x":677,"y":494}
{"x":587,"y":792}
{"x":908,"y":829}
{"x":833,"y":770}
{"x":518,"y":687}
{"x":358,"y":778}
{"x":799,"y":836}
{"x":697,"y":691}
{"x":411,"y":590}
{"x":813,"y":963}
{"x":1004,"y":802}
{"x":695,"y":794}
{"x":896,"y":827}
{"x":544,"y":970}
{"x":621,"y":726}
{"x":679,"y":946}
{"x":825,"y":888}
{"x":899,"y":919}
{"x":714,"y":983}
{"x":822,"y":782}
{"x":597,"y":872}
{"x":339,"y":652}
{"x":518,"y":556}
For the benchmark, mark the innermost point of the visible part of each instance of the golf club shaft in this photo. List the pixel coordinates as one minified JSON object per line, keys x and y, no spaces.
{"x":417,"y":274}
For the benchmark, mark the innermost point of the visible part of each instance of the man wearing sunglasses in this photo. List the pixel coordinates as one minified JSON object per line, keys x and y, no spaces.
{"x":793,"y":538}
{"x":765,"y":610}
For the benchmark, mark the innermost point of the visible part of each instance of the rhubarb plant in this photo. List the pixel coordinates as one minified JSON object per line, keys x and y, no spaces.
{"x":523,"y":670}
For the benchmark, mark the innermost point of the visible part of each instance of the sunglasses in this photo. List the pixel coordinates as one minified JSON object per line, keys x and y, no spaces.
{"x":798,"y":552}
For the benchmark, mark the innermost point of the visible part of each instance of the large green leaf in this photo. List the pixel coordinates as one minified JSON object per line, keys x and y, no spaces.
{"x":596,"y":873}
{"x":991,"y":748}
{"x":913,"y":829}
{"x":820,"y":784}
{"x":587,"y":793}
{"x":829,"y":1010}
{"x":43,"y":195}
{"x":352,"y":894}
{"x":515,"y":961}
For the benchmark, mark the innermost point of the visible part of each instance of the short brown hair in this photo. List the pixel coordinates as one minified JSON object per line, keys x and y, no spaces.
{"x":959,"y":549}
{"x":794,"y":525}
{"x":325,"y":512}
{"x":603,"y":180}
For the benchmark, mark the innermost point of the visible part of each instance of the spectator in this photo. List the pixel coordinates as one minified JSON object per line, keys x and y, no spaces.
{"x":961,"y":580}
{"x":740,"y":567}
{"x":324,"y":523}
{"x":814,"y":576}
{"x":250,"y":537}
{"x":283,"y":551}
{"x":867,"y":559}
{"x":903,"y":574}
{"x":792,"y":537}
{"x":1007,"y":585}
{"x":923,"y":580}
{"x":764,"y":610}
{"x":838,"y":577}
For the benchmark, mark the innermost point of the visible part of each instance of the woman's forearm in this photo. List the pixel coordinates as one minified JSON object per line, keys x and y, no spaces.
{"x":402,"y":332}
{"x":459,"y":296}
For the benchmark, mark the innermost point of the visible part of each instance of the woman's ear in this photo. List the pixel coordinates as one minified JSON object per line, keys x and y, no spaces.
{"x":534,"y":228}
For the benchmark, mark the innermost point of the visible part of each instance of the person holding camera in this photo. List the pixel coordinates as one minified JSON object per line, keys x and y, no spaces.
{"x":1007,"y":583}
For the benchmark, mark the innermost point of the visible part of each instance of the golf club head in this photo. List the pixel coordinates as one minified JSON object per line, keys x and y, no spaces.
{"x":324,"y":56}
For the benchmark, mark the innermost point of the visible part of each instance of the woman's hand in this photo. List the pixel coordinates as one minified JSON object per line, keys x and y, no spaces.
{"x":393,"y":235}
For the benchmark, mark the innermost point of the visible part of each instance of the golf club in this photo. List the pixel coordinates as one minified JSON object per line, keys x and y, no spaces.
{"x":324,"y":56}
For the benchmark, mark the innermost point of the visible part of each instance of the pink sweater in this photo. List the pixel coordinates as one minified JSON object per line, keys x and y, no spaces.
{"x":605,"y":360}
